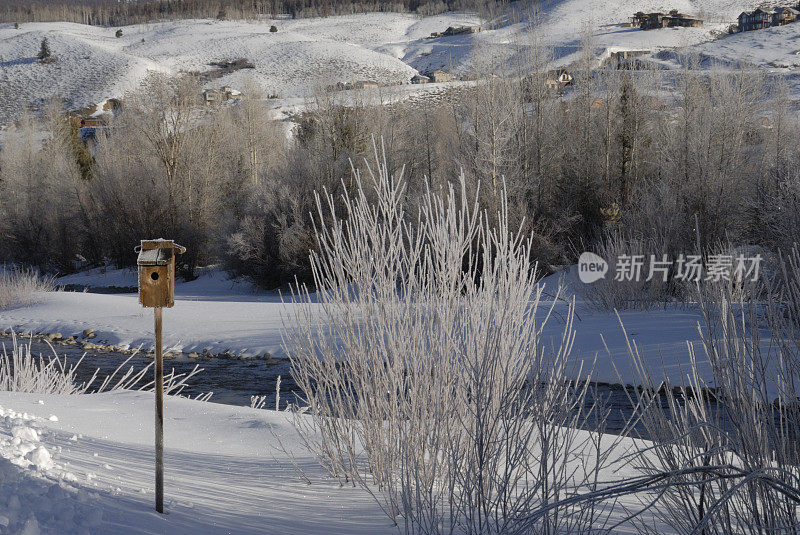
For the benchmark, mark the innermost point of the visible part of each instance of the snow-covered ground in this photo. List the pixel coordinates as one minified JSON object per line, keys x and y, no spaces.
{"x":306,"y":54}
{"x":778,"y":48}
{"x":219,"y":315}
{"x":84,"y":464}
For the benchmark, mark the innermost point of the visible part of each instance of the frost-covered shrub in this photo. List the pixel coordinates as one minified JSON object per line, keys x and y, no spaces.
{"x":21,"y":371}
{"x":722,"y":448}
{"x":22,"y":287}
{"x":271,"y":241}
{"x":421,"y":360}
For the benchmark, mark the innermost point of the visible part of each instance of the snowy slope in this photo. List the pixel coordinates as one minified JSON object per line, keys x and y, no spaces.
{"x":84,"y":464}
{"x":307,"y":54}
{"x":771,"y":47}
{"x":304,"y":55}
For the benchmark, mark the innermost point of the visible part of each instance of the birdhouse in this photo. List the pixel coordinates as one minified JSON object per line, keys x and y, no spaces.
{"x":157,"y":272}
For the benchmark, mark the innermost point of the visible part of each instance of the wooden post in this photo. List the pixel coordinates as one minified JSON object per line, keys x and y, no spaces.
{"x":159,"y":387}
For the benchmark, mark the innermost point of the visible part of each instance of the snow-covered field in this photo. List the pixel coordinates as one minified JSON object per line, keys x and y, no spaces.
{"x":778,"y":48}
{"x":218,"y":315}
{"x":84,"y":464}
{"x":306,"y":54}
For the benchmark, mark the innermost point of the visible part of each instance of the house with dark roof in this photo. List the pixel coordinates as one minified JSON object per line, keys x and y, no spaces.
{"x":785,"y":15}
{"x":673,"y":19}
{"x":756,"y":20}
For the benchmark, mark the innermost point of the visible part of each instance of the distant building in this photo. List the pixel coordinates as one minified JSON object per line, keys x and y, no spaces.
{"x":347,"y":86}
{"x":638,"y":19}
{"x":420,"y":79}
{"x":457,"y":30}
{"x":558,"y":79}
{"x":214,"y":96}
{"x":785,"y":15}
{"x":756,"y":20}
{"x":766,"y":18}
{"x":673,"y":19}
{"x":440,"y":75}
{"x":626,"y":59}
{"x":86,"y":122}
{"x":87,"y":134}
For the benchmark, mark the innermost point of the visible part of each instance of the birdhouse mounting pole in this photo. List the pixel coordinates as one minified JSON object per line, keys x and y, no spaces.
{"x":156,"y":263}
{"x":159,"y":386}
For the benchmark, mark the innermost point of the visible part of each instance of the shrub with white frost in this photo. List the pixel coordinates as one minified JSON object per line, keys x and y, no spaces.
{"x":22,"y":371}
{"x":422,"y":361}
{"x":22,"y":287}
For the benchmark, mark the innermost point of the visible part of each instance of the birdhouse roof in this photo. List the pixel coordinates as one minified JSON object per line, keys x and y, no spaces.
{"x":157,"y":252}
{"x":155,"y":257}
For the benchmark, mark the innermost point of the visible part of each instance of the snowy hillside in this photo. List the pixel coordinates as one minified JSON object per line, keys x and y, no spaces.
{"x":306,"y":54}
{"x":772,"y":47}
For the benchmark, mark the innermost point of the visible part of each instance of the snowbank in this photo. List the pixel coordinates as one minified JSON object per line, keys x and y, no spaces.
{"x":223,"y":474}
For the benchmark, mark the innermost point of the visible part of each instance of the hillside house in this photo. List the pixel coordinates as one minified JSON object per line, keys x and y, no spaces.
{"x":625,"y":59}
{"x":212,"y":96}
{"x":440,"y":75}
{"x":558,"y":79}
{"x":458,"y":30}
{"x":348,"y":86}
{"x":638,"y":19}
{"x":86,"y":121}
{"x":420,"y":79}
{"x":215,"y":96}
{"x":756,"y":20}
{"x":785,"y":15}
{"x":673,"y":19}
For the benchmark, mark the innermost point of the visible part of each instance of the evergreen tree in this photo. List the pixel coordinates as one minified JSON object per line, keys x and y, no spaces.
{"x":44,"y":51}
{"x":83,"y":157}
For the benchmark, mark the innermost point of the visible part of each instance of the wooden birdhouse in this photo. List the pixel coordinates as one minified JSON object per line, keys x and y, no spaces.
{"x":157,"y":272}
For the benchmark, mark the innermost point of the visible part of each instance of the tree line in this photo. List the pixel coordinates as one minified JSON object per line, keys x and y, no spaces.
{"x":713,"y":161}
{"x":113,"y":13}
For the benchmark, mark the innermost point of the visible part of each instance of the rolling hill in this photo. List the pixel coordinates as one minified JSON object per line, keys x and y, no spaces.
{"x":306,"y":54}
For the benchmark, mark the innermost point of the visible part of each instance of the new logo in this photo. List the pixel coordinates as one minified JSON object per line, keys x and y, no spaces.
{"x":591,"y":268}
